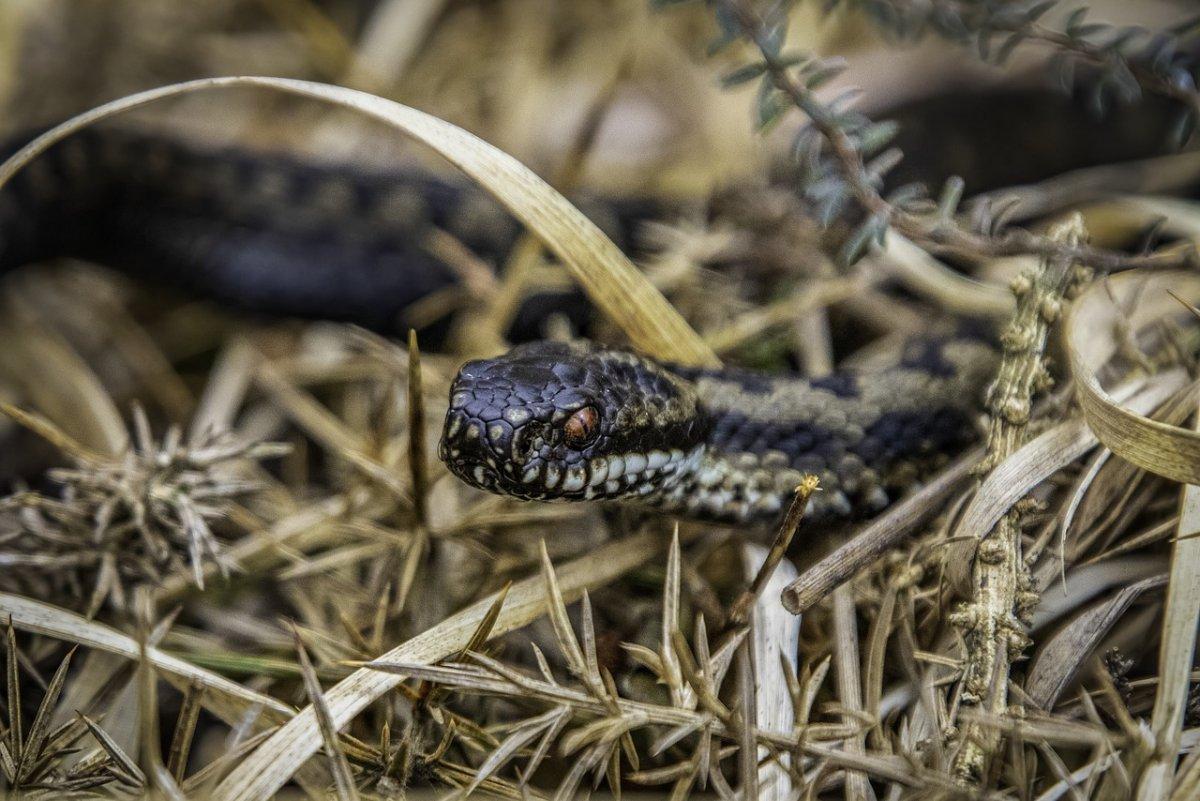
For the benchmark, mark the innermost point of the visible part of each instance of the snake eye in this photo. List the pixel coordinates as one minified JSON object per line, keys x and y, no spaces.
{"x":582,"y":427}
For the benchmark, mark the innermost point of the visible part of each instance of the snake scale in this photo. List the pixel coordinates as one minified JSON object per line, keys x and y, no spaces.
{"x":546,"y":421}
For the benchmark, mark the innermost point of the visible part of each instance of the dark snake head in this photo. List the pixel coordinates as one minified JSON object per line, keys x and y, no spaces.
{"x":558,"y":421}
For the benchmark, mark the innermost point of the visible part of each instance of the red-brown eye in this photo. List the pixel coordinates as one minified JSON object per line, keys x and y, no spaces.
{"x":581,"y":427}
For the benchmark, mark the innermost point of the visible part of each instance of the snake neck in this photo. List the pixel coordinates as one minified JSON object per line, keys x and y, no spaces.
{"x":866,"y":436}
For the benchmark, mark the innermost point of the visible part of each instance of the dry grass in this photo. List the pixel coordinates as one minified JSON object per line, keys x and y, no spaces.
{"x":248,"y":559}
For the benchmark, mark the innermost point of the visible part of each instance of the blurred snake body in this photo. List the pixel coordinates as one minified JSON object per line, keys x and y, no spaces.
{"x":546,"y":421}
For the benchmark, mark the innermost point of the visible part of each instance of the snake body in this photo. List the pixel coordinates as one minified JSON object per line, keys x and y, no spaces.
{"x":712,"y":444}
{"x":547,"y":421}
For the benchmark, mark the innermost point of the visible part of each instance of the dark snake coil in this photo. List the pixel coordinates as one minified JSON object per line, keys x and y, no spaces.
{"x":547,"y":421}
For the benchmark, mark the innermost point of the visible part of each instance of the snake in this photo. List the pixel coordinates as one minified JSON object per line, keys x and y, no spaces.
{"x":287,"y":236}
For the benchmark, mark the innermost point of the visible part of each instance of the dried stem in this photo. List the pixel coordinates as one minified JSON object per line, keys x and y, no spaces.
{"x":994,"y":621}
{"x":739,"y":613}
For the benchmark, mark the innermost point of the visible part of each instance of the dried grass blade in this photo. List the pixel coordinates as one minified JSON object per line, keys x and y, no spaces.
{"x":484,"y":630}
{"x":1177,"y":650}
{"x":15,"y":734}
{"x":722,"y":658}
{"x":228,"y":382}
{"x":928,"y":277}
{"x":47,"y":430}
{"x":848,"y":677}
{"x":557,"y":610}
{"x":681,"y":695}
{"x":602,"y":731}
{"x":226,"y":699}
{"x":520,"y":736}
{"x":877,"y":537}
{"x":185,"y":731}
{"x":343,"y":779}
{"x":319,"y":423}
{"x":672,"y":736}
{"x":1060,"y":657}
{"x":747,"y":744}
{"x":159,"y":781}
{"x":8,"y":765}
{"x":114,"y":751}
{"x":1049,"y":452}
{"x":570,"y":784}
{"x":417,"y":465}
{"x":1161,"y":448}
{"x":40,"y":728}
{"x":62,"y":385}
{"x":1073,"y":780}
{"x":549,"y":739}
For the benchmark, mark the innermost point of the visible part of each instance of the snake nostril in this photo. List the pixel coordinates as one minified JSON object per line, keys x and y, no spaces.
{"x":527,"y":441}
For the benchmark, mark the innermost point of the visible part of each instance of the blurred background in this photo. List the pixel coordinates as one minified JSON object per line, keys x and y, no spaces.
{"x":523,"y":74}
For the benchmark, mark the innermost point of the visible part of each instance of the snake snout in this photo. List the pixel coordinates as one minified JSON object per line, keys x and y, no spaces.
{"x":489,"y":435}
{"x":466,"y":451}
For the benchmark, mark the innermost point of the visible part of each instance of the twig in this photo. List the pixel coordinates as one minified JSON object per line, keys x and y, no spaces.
{"x":417,"y":460}
{"x":849,"y":684}
{"x":739,"y":613}
{"x":878,"y":537}
{"x":993,"y":623}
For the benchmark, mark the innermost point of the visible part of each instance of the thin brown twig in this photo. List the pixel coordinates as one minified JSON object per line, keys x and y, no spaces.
{"x":739,"y":612}
{"x":935,"y":234}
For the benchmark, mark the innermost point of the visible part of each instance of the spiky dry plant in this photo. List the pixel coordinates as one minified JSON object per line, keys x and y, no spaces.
{"x":39,"y":760}
{"x":121,"y":522}
{"x":693,"y":731}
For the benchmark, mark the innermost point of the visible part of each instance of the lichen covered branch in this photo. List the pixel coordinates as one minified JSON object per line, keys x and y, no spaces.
{"x":993,"y":623}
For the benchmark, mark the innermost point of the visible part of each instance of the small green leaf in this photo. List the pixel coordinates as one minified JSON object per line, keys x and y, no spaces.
{"x":1036,"y":11}
{"x":906,"y":193}
{"x":877,"y":135}
{"x":776,"y":34}
{"x":1062,"y":66}
{"x":1187,"y":27}
{"x":729,"y":32}
{"x":771,"y":104}
{"x":948,"y":23}
{"x":882,"y":164}
{"x":1074,"y":19}
{"x":1124,"y":37}
{"x":794,"y":59}
{"x":821,"y":76}
{"x":1084,"y":31}
{"x":856,"y":245}
{"x":1098,"y":96}
{"x":983,"y":44}
{"x":829,"y":209}
{"x":1124,"y":82}
{"x":743,"y":75}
